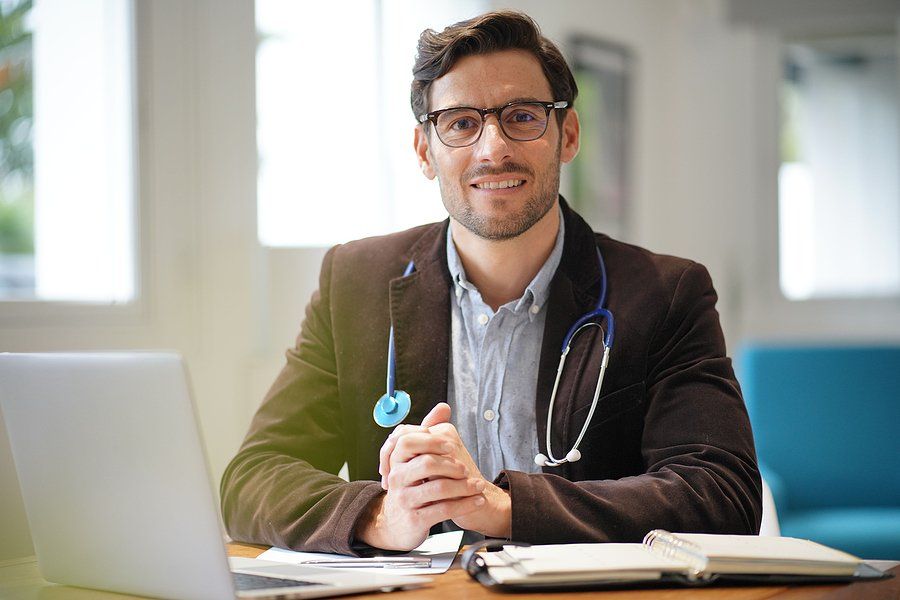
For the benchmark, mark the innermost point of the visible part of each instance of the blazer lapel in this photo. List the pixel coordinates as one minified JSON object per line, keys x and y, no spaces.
{"x":420,"y":314}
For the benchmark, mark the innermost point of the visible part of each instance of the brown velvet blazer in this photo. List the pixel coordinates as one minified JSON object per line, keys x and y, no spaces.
{"x":669,"y":446}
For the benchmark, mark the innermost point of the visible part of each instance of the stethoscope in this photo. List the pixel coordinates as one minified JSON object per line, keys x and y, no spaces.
{"x":393,"y":407}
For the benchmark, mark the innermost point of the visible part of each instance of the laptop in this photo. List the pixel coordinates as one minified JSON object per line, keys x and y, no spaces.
{"x":116,"y":486}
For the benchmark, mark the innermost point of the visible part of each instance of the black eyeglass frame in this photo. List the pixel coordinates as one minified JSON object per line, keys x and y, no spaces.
{"x":432,"y":117}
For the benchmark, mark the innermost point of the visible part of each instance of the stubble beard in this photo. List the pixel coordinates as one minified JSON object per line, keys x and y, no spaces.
{"x":509,"y":226}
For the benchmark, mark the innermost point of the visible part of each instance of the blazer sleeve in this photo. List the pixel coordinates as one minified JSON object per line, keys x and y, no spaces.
{"x":281,"y":488}
{"x":697,"y":447}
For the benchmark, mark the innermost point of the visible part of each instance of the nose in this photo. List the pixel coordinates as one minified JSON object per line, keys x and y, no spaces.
{"x":493,"y":145}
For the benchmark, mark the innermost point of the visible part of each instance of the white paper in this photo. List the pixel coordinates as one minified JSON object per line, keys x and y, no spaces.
{"x":440,"y":548}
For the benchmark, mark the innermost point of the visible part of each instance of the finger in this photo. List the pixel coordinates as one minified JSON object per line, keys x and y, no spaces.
{"x":448,"y":509}
{"x":438,"y":490}
{"x":439,"y":414}
{"x":384,"y":466}
{"x":414,"y":444}
{"x":426,"y":466}
{"x":446,"y":429}
{"x":405,"y":428}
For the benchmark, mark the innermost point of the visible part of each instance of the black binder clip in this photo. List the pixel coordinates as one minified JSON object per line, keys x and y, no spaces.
{"x":474,"y":563}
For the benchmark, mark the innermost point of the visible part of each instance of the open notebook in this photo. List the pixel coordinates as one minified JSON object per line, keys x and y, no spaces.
{"x":667,"y":559}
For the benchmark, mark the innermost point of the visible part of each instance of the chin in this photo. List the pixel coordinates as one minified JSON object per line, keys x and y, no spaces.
{"x":495,"y":228}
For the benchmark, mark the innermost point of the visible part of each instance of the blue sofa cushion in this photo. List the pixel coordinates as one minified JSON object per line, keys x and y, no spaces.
{"x":872,"y":533}
{"x":825,"y":420}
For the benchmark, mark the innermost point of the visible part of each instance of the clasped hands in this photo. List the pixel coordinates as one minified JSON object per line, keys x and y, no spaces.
{"x":429,"y":477}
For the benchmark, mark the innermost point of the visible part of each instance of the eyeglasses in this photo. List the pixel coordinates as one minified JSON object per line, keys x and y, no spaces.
{"x":519,"y":121}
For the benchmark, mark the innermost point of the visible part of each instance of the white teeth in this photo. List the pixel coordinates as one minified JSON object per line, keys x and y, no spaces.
{"x":499,"y":185}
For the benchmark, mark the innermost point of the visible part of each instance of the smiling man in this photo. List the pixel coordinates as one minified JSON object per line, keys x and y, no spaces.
{"x":476,"y":310}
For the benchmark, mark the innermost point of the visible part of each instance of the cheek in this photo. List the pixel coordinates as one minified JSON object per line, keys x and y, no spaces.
{"x":448,"y":169}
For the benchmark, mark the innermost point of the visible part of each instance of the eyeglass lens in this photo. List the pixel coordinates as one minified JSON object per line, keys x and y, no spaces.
{"x":521,"y":122}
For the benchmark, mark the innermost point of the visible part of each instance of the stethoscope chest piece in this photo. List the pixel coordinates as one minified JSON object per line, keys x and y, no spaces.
{"x":390,"y":411}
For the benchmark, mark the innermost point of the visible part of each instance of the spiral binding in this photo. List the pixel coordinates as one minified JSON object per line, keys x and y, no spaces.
{"x":671,"y":546}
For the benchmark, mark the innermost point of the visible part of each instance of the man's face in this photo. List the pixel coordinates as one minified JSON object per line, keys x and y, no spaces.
{"x":531,"y":168}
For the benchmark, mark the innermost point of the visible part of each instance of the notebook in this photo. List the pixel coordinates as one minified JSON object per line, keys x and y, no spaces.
{"x":116,"y":486}
{"x":666,"y":559}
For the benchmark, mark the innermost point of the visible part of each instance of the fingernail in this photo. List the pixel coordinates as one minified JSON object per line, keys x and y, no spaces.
{"x":479,"y":501}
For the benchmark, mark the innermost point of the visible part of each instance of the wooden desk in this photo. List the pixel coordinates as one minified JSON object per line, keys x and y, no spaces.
{"x":456,"y":584}
{"x":21,"y":581}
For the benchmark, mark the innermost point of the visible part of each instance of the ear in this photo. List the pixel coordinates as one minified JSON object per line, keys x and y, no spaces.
{"x":571,"y":131}
{"x":420,"y":142}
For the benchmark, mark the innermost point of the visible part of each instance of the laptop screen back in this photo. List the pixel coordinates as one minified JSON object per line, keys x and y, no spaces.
{"x":113,"y":473}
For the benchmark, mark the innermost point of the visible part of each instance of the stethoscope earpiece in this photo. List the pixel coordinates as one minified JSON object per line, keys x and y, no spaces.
{"x":541,"y":459}
{"x":574,"y":455}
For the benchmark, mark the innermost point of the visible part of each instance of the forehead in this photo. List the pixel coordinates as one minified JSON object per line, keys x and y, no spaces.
{"x":487,"y":80}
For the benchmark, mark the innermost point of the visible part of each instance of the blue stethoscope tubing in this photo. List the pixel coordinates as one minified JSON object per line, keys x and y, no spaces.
{"x":394,"y":406}
{"x":587,"y":320}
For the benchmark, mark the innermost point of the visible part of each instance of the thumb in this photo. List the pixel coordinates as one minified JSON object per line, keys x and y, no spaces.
{"x":439,"y":414}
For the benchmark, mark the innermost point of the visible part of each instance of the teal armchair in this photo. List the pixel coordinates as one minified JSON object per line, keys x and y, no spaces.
{"x":827,"y":426}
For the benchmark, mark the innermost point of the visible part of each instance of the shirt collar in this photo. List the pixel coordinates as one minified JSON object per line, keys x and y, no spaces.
{"x":536,"y":293}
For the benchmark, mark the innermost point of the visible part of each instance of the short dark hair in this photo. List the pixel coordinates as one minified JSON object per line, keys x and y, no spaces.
{"x":491,"y":32}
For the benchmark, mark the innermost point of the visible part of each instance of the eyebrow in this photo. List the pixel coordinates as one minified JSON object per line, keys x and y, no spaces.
{"x":518,"y":99}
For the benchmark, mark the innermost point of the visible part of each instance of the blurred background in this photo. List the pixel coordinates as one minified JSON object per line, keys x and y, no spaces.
{"x":172,"y":172}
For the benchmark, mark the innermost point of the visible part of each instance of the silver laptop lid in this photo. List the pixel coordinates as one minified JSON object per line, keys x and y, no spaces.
{"x":113,"y":473}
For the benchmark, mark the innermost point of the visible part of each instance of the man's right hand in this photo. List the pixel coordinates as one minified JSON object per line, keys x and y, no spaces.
{"x":426,"y":487}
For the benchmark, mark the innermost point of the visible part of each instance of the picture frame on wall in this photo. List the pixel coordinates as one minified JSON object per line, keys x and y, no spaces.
{"x":599,"y":176}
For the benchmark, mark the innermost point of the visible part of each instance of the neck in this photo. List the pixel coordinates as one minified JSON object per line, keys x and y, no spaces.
{"x":502,"y":269}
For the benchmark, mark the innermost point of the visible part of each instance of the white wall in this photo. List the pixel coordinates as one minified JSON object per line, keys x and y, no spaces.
{"x":691,"y":118}
{"x":703,"y":173}
{"x":705,"y":155}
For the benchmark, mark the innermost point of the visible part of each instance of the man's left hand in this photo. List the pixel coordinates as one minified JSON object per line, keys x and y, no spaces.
{"x":494,"y":519}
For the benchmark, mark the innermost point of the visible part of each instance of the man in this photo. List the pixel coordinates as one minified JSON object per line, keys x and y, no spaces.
{"x":479,"y":322}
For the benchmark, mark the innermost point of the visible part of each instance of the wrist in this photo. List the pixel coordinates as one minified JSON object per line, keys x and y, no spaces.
{"x":369,"y":525}
{"x":501,"y":502}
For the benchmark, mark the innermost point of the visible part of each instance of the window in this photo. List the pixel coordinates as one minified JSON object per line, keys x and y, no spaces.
{"x":839,"y":186}
{"x":334,"y":126}
{"x":66,"y":148}
{"x":16,"y":157}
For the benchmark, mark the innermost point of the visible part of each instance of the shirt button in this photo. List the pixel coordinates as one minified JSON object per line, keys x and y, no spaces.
{"x":489,"y":415}
{"x":535,"y":309}
{"x":483,"y":319}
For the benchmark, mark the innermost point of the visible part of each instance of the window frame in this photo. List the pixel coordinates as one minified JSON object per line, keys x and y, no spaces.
{"x":25,"y":312}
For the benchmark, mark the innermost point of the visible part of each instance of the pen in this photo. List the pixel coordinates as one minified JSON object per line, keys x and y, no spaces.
{"x":384,"y":562}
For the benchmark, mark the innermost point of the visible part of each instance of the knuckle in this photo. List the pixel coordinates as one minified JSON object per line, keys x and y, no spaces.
{"x":402,"y":499}
{"x":403,"y":444}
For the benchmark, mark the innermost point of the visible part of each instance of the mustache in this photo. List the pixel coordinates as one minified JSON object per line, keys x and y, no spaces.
{"x":511,"y":168}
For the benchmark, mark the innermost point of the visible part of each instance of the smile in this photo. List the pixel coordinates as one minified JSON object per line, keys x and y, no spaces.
{"x":499,"y":185}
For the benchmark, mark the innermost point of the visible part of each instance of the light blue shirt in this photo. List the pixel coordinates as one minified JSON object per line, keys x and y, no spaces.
{"x":494,"y":362}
